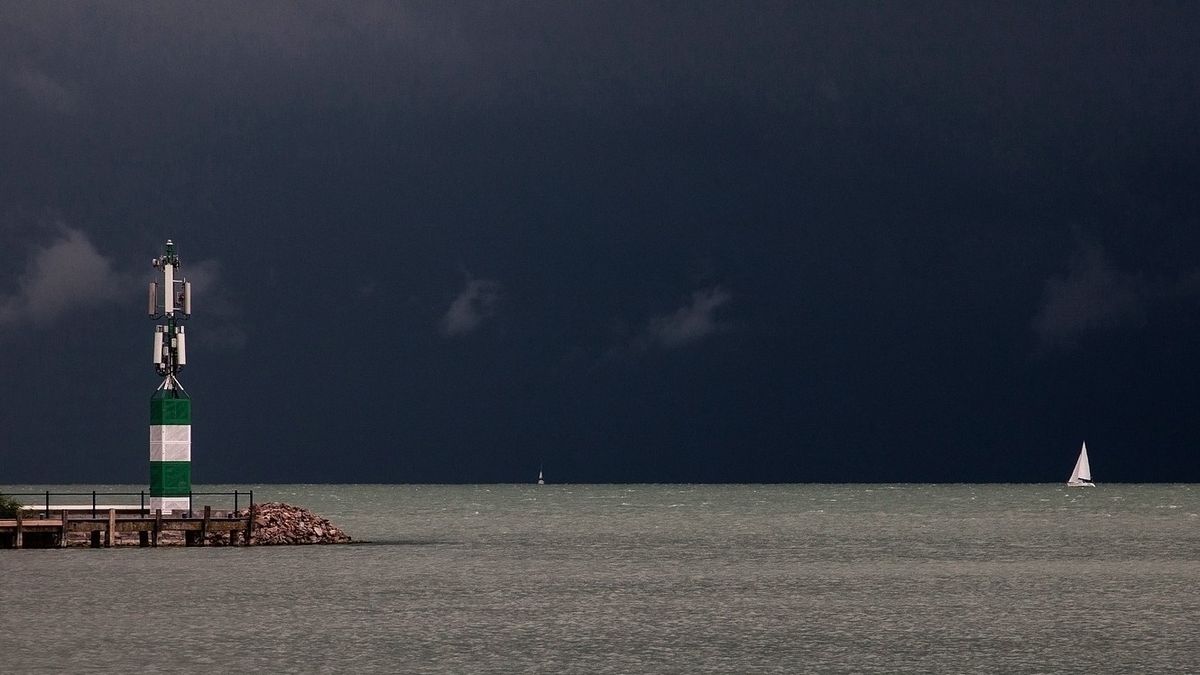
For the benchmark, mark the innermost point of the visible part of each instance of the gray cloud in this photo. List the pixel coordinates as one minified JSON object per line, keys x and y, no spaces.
{"x":474,"y":304}
{"x":1092,"y":295}
{"x":66,"y":275}
{"x":690,"y":322}
{"x":219,"y":325}
{"x":43,"y":90}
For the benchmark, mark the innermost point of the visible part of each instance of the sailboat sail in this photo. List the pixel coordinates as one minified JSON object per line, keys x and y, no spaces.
{"x":1083,"y":470}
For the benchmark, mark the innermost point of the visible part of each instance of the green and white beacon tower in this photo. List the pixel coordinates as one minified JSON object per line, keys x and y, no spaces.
{"x":170,"y":407}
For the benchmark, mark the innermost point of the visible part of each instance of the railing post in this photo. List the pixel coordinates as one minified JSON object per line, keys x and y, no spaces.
{"x":235,"y":500}
{"x":93,"y":504}
{"x":142,"y":502}
{"x":189,"y":503}
{"x":47,"y":503}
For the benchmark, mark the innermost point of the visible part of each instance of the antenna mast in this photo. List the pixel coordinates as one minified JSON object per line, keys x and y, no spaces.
{"x":173,"y":302}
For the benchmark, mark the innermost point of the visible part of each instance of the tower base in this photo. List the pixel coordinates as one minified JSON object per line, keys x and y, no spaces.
{"x":168,"y":504}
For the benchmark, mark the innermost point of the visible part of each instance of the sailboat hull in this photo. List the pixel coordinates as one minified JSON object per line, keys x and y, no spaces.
{"x":1081,"y":484}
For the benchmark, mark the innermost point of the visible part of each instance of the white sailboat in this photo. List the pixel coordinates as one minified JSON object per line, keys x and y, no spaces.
{"x":540,"y":481}
{"x":1082,"y":475}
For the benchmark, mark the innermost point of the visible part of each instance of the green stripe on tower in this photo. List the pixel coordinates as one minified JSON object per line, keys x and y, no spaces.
{"x":170,"y":479}
{"x":170,"y":411}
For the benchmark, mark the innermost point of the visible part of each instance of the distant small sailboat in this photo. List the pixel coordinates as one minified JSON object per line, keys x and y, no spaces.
{"x":540,"y":480}
{"x":1082,"y":475}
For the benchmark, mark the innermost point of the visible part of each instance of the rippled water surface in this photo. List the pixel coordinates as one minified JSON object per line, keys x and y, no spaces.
{"x":642,"y":578}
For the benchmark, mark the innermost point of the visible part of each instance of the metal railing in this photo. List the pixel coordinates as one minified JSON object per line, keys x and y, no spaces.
{"x":46,"y":495}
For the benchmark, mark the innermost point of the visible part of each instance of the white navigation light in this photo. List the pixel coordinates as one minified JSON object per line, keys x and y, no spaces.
{"x":169,"y":289}
{"x":158,"y":345}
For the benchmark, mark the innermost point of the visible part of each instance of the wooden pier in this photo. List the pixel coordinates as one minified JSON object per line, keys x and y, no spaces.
{"x":27,"y":531}
{"x":48,"y":529}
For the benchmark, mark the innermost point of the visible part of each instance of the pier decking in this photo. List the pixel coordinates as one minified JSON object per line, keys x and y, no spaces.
{"x":50,"y":526}
{"x":43,"y":532}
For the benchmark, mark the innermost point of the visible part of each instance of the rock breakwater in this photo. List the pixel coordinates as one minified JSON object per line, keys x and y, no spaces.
{"x":277,"y":523}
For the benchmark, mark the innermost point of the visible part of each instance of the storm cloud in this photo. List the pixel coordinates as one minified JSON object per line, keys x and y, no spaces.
{"x":766,"y":241}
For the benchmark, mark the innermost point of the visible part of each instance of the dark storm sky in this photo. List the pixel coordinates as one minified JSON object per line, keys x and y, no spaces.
{"x":634,"y":241}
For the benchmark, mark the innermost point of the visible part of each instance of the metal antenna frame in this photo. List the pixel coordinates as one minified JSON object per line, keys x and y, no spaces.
{"x":170,"y":365}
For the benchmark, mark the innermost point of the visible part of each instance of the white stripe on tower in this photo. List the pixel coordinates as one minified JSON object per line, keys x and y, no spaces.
{"x":170,"y":443}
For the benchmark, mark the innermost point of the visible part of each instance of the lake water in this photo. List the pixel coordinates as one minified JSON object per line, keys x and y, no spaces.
{"x":641,"y":578}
